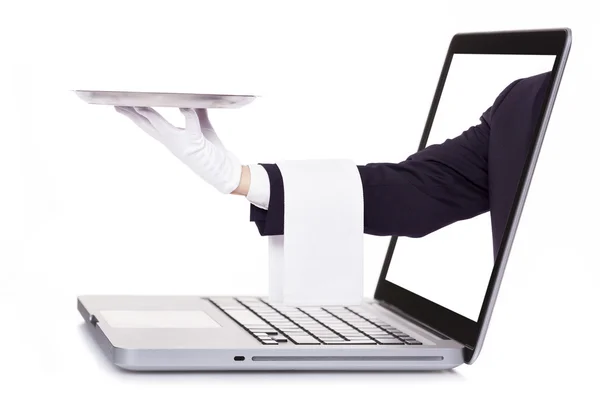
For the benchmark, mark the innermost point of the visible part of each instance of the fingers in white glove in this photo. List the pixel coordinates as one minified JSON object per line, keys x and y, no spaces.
{"x":206,"y":157}
{"x":191,"y":119}
{"x":157,"y":120}
{"x":139,"y":120}
{"x":198,"y":118}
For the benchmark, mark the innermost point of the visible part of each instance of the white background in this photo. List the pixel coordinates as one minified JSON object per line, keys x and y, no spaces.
{"x":90,"y":205}
{"x":452,"y":266}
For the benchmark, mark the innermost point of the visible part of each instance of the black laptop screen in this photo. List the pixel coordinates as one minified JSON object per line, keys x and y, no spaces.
{"x":484,"y":103}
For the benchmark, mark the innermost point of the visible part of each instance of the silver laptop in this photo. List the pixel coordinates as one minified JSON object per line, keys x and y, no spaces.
{"x":435,"y":294}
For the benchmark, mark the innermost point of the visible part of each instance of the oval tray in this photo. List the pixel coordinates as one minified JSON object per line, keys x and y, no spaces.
{"x":158,"y":99}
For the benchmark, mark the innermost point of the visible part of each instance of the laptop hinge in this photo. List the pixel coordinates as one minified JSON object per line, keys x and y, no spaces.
{"x":415,"y":321}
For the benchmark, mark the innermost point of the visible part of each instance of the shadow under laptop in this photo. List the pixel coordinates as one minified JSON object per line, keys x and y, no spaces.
{"x":259,"y":376}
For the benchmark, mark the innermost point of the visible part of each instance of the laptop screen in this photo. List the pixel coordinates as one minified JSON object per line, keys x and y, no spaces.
{"x":452,"y":266}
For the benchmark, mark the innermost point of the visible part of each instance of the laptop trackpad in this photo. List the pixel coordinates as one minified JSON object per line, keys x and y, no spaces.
{"x":159,"y":319}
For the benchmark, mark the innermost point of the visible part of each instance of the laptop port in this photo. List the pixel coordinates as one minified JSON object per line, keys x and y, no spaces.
{"x":239,"y":358}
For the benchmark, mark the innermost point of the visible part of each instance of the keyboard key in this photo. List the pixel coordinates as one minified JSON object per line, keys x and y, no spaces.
{"x":335,"y":341}
{"x":276,"y":320}
{"x":319,"y":331}
{"x":357,"y":337}
{"x":245,"y":317}
{"x":336,"y":310}
{"x":347,"y":328}
{"x":390,"y":341}
{"x":225,"y":300}
{"x":280,"y":324}
{"x":327,"y":337}
{"x":376,"y":331}
{"x":350,"y":333}
{"x":340,"y":327}
{"x":295,"y":333}
{"x":268,"y":332}
{"x":383,"y":336}
{"x":302,"y":337}
{"x":308,"y":341}
{"x":389,"y":328}
{"x":355,"y":342}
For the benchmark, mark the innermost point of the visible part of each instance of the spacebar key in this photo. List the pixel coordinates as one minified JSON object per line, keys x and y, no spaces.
{"x":304,"y":340}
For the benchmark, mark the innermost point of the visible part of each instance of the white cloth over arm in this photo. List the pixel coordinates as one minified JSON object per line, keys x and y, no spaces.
{"x":319,"y":258}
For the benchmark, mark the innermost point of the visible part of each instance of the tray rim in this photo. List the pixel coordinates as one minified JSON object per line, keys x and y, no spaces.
{"x":163,"y":93}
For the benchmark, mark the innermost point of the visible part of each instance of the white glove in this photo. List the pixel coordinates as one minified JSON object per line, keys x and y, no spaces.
{"x":197,"y":145}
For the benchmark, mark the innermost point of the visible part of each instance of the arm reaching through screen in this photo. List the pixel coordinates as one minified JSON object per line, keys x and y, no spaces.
{"x":432,"y":188}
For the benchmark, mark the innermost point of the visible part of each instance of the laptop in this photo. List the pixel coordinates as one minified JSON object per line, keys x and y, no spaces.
{"x":436,"y":291}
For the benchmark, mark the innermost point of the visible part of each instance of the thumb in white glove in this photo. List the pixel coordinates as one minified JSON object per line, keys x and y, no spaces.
{"x":197,"y":145}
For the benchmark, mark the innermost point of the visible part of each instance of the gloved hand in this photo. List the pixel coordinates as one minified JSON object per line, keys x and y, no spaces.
{"x":197,"y":145}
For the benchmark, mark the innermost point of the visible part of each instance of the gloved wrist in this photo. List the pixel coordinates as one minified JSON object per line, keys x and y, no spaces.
{"x":231,"y":173}
{"x":217,"y":166}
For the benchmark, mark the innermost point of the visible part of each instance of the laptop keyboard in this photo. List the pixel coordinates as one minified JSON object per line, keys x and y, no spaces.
{"x":274,"y":324}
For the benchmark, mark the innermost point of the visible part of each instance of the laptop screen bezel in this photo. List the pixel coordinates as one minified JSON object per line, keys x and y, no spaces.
{"x":438,"y":318}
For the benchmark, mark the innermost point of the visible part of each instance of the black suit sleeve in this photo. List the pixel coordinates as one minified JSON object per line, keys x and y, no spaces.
{"x":435,"y":187}
{"x":270,"y":222}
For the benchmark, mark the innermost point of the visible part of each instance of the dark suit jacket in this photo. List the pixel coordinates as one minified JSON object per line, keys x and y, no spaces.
{"x":463,"y":177}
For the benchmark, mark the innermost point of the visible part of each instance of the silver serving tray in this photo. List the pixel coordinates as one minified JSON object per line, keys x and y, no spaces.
{"x":158,"y":99}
